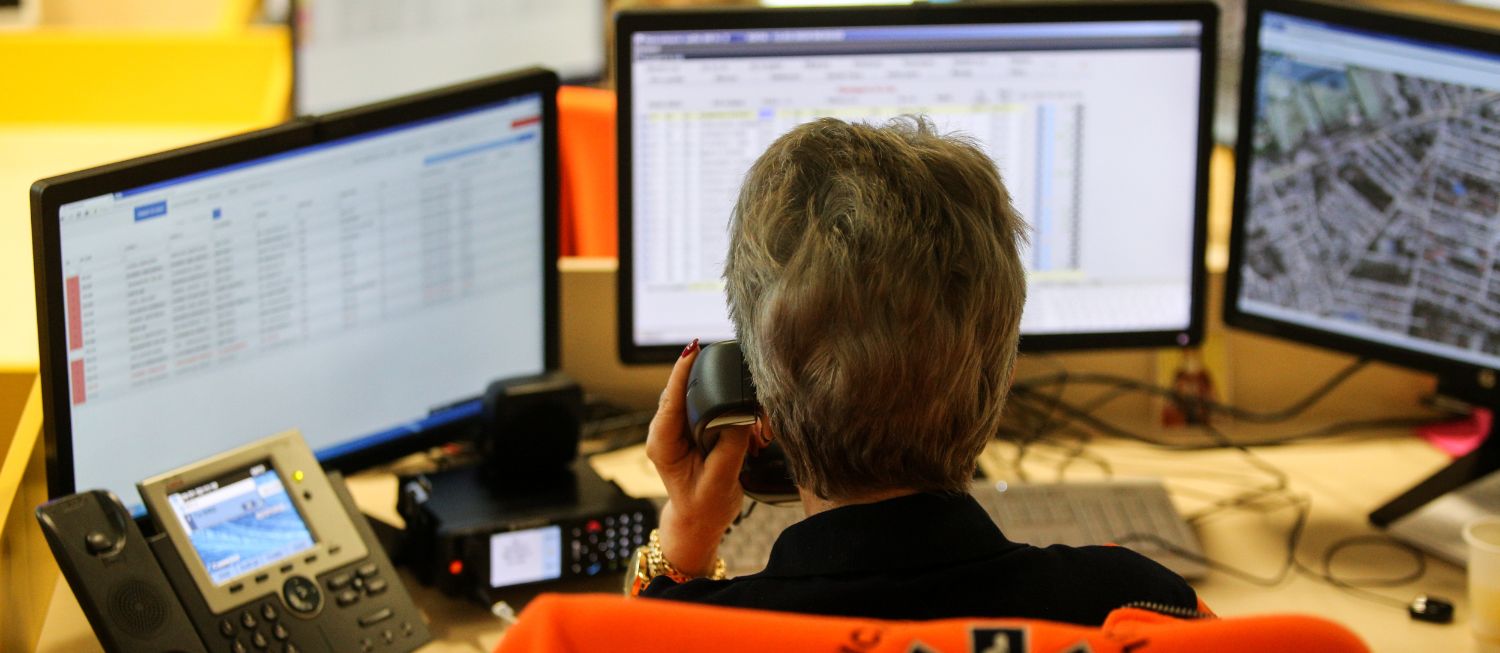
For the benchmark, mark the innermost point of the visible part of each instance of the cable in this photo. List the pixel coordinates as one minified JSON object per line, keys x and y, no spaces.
{"x":1294,"y":409}
{"x":1078,"y":414}
{"x":1357,"y":587}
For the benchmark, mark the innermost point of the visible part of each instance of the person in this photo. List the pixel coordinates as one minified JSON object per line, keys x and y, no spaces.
{"x":875,"y":286}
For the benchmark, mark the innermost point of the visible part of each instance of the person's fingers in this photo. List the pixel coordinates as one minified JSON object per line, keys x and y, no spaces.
{"x":674,"y":396}
{"x":666,"y":440}
{"x":722,"y":469}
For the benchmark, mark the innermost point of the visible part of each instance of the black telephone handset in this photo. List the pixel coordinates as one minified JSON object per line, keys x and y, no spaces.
{"x":720,"y":394}
{"x":256,"y":550}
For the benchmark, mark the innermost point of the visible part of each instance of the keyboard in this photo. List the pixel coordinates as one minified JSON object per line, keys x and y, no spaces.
{"x":1041,"y":514}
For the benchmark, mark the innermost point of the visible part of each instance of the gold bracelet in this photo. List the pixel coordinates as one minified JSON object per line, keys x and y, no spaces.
{"x":651,"y":563}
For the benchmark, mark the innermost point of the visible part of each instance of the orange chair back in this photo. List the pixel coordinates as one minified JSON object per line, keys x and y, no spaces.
{"x":605,"y":623}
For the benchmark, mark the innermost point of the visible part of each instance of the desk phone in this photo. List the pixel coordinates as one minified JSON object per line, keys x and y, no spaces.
{"x":254,"y":550}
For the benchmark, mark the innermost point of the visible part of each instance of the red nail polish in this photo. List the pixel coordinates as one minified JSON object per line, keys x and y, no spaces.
{"x":692,"y":346}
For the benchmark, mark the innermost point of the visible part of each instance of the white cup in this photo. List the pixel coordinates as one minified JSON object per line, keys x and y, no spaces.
{"x":1483,"y":536}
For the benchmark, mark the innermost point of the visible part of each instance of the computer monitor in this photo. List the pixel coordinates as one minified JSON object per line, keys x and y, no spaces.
{"x":352,"y":52}
{"x":1367,"y":191}
{"x":361,"y":277}
{"x":1097,"y":115}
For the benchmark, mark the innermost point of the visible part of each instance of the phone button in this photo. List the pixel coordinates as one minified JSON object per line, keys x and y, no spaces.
{"x":302,"y":595}
{"x":376,"y":617}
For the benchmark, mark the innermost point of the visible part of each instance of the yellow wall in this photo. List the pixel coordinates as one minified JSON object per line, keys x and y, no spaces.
{"x":74,"y":99}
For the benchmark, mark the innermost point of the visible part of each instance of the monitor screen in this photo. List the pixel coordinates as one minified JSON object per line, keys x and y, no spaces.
{"x":1369,"y":192}
{"x":364,"y":290}
{"x":1097,"y":127}
{"x":241,"y":522}
{"x":351,"y":52}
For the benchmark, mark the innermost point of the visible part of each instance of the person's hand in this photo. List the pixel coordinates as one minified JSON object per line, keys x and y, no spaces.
{"x":703,"y":492}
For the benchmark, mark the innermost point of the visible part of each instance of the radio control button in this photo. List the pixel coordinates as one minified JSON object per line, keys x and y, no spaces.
{"x":226,"y":628}
{"x":347,"y":598}
{"x":375,"y":586}
{"x":238,"y":647}
{"x":247,"y":620}
{"x":259,"y":641}
{"x":268,"y":612}
{"x":279,"y":632}
{"x":367,"y":570}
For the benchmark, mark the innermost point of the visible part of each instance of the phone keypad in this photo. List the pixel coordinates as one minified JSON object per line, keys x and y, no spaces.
{"x":256,"y":628}
{"x":607,"y":544}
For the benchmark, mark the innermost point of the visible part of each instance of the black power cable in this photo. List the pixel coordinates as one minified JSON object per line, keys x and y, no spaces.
{"x":1280,"y":415}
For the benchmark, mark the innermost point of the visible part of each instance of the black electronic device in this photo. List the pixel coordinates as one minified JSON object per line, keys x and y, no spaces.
{"x":1363,"y":205}
{"x":1098,"y":115}
{"x":111,"y":569}
{"x":721,"y":394}
{"x":472,"y":538}
{"x":530,"y":427}
{"x":255,"y":548}
{"x":365,"y":273}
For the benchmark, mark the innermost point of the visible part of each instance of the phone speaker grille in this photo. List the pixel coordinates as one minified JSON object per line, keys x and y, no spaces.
{"x":137,"y":608}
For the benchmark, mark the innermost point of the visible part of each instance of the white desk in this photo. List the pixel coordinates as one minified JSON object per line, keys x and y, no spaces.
{"x":1344,"y":480}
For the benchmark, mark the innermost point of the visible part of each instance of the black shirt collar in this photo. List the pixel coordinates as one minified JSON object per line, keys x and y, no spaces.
{"x":905,"y":533}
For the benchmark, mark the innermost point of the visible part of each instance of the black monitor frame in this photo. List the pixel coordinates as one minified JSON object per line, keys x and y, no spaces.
{"x":1462,"y":380}
{"x":1465,"y":380}
{"x":630,"y":22}
{"x":49,"y":195}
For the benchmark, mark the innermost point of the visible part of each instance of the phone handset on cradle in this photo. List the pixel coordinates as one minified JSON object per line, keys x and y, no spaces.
{"x":721,"y":394}
{"x":255,"y":549}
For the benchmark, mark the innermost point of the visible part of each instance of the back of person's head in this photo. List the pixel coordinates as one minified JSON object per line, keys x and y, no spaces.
{"x":876,"y":289}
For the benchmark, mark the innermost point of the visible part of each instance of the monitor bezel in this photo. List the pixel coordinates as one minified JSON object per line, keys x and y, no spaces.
{"x":49,"y":195}
{"x":628,"y":23}
{"x":1463,"y":377}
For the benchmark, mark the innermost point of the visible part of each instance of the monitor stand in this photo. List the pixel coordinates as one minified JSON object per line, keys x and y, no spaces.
{"x":1432,"y":513}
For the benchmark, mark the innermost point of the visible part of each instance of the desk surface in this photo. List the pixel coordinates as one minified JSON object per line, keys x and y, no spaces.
{"x":1344,"y":481}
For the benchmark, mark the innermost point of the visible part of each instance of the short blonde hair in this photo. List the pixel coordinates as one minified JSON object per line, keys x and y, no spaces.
{"x":876,"y":287}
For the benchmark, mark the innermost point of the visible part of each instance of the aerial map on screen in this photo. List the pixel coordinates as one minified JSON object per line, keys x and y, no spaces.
{"x":1375,"y":187}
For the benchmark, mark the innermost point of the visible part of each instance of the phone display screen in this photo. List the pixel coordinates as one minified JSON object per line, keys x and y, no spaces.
{"x":527,"y":556}
{"x":241,"y":521}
